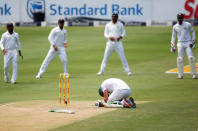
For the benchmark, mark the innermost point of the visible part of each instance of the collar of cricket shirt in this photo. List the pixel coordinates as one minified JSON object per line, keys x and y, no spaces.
{"x":9,"y":33}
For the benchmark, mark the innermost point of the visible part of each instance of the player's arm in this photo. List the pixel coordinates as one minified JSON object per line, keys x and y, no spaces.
{"x":2,"y":45}
{"x":106,"y":34}
{"x":65,"y":39}
{"x":19,"y":46}
{"x":123,"y":33}
{"x":106,"y":95}
{"x":51,"y":39}
{"x":192,"y":32}
{"x":173,"y":38}
{"x":193,"y":37}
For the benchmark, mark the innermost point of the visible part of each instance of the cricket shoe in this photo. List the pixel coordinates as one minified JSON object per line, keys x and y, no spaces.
{"x":129,"y":73}
{"x":194,"y":76}
{"x":6,"y":79}
{"x":133,"y":104}
{"x":13,"y":82}
{"x":100,"y":73}
{"x":38,"y":76}
{"x":180,"y":77}
{"x":126,"y":104}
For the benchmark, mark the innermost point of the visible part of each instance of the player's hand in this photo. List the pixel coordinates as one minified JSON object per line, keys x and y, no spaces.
{"x":119,"y":38}
{"x":192,"y":45}
{"x":112,"y":38}
{"x":173,"y":49}
{"x":55,"y":47}
{"x":105,"y":99}
{"x":20,"y":54}
{"x":66,"y":44}
{"x":4,"y":51}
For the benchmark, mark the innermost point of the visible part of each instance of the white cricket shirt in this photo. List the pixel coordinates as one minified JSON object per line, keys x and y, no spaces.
{"x":182,"y":32}
{"x":113,"y":84}
{"x":114,"y":30}
{"x":58,"y":37}
{"x":10,"y":41}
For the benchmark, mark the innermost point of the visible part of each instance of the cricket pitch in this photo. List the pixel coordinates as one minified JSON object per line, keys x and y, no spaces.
{"x":34,"y":115}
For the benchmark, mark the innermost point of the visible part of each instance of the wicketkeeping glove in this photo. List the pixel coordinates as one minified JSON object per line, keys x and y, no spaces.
{"x":173,"y":49}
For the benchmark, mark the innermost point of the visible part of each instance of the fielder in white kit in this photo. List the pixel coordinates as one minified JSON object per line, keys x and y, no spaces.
{"x":114,"y":32}
{"x":116,"y":91}
{"x":185,"y":44}
{"x":58,"y":41}
{"x":9,"y":45}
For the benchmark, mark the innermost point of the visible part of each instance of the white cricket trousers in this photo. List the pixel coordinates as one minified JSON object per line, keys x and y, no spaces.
{"x":118,"y":47}
{"x":118,"y":95}
{"x":11,"y":55}
{"x":49,"y":58}
{"x":184,"y":47}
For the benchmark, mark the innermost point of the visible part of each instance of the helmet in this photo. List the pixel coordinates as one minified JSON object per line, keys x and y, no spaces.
{"x":100,"y":92}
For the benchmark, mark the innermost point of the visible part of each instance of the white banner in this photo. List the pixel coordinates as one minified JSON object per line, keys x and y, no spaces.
{"x":9,"y":11}
{"x":128,"y":10}
{"x":167,"y":10}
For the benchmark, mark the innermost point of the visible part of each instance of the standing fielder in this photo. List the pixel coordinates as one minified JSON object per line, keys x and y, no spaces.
{"x":182,"y":30}
{"x":9,"y":43}
{"x":115,"y":93}
{"x":114,"y":32}
{"x":58,"y":41}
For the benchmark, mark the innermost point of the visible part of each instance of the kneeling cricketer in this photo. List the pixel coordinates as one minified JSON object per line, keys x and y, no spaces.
{"x":115,"y":93}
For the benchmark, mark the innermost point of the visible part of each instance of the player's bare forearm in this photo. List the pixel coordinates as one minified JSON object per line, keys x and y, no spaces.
{"x":112,"y":38}
{"x":106,"y":96}
{"x":4,"y":51}
{"x":66,"y":44}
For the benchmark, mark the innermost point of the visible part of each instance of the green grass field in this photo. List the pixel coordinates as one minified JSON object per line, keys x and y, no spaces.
{"x":174,"y":105}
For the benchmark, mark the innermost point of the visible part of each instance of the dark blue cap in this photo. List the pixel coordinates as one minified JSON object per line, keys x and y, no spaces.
{"x":9,"y":25}
{"x":61,"y":20}
{"x":180,"y":16}
{"x":115,"y":15}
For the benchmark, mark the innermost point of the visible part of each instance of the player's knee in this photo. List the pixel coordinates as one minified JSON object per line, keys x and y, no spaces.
{"x":180,"y":59}
{"x":64,"y":62}
{"x":14,"y":61}
{"x":6,"y":67}
{"x":191,"y":58}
